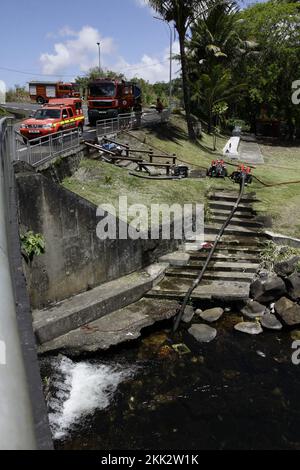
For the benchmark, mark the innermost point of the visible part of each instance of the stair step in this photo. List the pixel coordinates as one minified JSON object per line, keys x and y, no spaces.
{"x":229,"y":241}
{"x":212,"y":276}
{"x":117,"y":327}
{"x":232,"y":197}
{"x":176,"y":288}
{"x":237,"y":222}
{"x":227,"y":206}
{"x":242,"y":256}
{"x":223,"y":213}
{"x":224,"y":266}
{"x":96,"y":303}
{"x":232,"y":230}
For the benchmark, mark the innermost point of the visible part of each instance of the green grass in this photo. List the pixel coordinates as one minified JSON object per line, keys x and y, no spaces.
{"x":281,"y":202}
{"x":3,"y":113}
{"x":103,"y":183}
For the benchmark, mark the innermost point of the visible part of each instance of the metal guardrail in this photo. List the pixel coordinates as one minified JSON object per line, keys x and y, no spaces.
{"x":38,"y":151}
{"x":130,"y":122}
{"x":22,"y":406}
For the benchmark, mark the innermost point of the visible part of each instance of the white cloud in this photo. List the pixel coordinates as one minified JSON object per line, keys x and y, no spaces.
{"x":80,"y":51}
{"x":150,"y":68}
{"x":141,"y":3}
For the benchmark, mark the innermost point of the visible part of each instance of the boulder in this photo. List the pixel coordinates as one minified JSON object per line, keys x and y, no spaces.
{"x":250,"y":328}
{"x":270,"y":322}
{"x":285,"y":268}
{"x":288,"y":311}
{"x":203,"y":333}
{"x":188,"y":314}
{"x":293,"y":286}
{"x":212,"y":315}
{"x":282,"y":305}
{"x":268,"y":289}
{"x":253,"y":309}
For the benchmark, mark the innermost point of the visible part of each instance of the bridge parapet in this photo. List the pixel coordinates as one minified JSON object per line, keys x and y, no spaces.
{"x":24,"y":423}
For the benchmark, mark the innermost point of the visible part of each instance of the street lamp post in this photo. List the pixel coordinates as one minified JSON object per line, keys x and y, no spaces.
{"x":98,"y":44}
{"x":171,"y":58}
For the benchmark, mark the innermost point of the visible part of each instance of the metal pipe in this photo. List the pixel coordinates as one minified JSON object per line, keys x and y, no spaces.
{"x":99,"y":50}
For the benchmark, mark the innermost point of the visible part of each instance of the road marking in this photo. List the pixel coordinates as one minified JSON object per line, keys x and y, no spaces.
{"x":92,"y":130}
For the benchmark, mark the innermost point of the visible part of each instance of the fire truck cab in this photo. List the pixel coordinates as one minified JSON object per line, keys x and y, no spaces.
{"x":108,"y":98}
{"x":57,"y":115}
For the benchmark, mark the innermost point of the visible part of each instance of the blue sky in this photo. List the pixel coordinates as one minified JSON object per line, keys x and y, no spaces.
{"x":59,"y":37}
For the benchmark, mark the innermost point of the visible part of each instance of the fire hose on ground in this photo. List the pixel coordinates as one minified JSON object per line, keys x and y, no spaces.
{"x":197,"y":281}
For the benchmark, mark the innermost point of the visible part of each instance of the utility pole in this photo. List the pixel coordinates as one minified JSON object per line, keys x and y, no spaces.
{"x":171,"y":58}
{"x":99,"y":49}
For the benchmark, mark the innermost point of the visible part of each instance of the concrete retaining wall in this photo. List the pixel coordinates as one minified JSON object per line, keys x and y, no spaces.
{"x":75,"y":259}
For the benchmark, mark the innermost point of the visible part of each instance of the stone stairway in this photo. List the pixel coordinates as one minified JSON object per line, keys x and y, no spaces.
{"x":235,"y":262}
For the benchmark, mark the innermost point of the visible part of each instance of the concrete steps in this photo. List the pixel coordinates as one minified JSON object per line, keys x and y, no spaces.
{"x":225,"y":266}
{"x":176,"y":288}
{"x":94,"y":304}
{"x":234,"y":263}
{"x":238,"y":214}
{"x":223,"y":256}
{"x":232,"y":230}
{"x":117,"y":327}
{"x":232,"y":197}
{"x":239,"y":222}
{"x":211,"y":275}
{"x":227,"y":206}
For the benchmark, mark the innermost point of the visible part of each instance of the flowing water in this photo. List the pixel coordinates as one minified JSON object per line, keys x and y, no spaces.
{"x":238,"y":392}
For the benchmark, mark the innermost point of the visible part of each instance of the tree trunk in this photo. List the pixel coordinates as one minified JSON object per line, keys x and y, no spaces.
{"x":186,"y":88}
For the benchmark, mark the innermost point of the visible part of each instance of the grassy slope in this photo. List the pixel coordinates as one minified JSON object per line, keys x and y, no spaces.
{"x":3,"y":113}
{"x":104,"y":183}
{"x":281,"y":202}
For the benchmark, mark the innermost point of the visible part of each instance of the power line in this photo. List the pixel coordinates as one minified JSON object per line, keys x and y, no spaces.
{"x":72,"y":75}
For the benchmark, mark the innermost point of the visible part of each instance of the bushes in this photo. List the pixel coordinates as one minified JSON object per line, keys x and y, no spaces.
{"x":235,"y":122}
{"x":17,"y":94}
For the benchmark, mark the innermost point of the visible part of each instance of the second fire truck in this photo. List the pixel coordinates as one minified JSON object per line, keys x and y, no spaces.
{"x":108,"y":98}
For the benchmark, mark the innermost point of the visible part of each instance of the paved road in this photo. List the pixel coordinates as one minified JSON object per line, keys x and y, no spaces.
{"x":250,"y":153}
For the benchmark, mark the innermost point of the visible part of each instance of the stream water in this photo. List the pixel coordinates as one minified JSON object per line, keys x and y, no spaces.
{"x":238,"y":392}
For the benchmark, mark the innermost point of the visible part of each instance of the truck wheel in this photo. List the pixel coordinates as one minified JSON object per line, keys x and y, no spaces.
{"x":40,"y":100}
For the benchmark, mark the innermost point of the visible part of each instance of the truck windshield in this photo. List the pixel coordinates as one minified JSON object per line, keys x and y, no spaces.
{"x":103,"y":89}
{"x":47,"y":114}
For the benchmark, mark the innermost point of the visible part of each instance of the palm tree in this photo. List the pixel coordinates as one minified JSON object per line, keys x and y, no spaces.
{"x":182,"y":13}
{"x":210,"y":90}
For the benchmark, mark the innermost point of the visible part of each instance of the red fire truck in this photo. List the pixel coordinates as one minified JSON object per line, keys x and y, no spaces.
{"x":107,"y":98}
{"x":57,"y":115}
{"x":42,"y":92}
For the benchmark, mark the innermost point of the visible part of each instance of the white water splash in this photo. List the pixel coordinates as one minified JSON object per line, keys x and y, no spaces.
{"x":82,"y":388}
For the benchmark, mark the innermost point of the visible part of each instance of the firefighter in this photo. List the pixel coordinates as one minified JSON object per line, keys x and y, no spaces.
{"x":159,"y":106}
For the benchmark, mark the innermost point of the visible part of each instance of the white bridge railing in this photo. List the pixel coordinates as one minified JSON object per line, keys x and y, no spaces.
{"x":130,"y":121}
{"x":39,"y":151}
